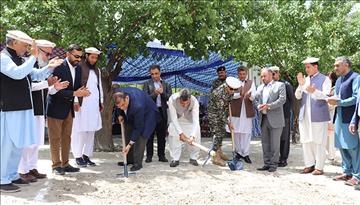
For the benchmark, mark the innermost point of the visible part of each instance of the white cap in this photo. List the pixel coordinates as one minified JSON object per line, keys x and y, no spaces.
{"x":92,"y":50}
{"x":233,"y":83}
{"x":310,"y":60}
{"x":45,"y":44}
{"x":20,"y":36}
{"x":274,"y":68}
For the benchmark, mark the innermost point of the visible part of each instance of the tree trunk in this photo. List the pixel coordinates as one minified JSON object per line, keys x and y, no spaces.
{"x":103,"y":137}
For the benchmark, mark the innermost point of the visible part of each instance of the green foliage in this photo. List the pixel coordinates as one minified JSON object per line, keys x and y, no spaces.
{"x":286,"y":32}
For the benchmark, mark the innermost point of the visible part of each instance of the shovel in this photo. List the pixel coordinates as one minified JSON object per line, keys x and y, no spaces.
{"x":126,"y":172}
{"x":234,"y":164}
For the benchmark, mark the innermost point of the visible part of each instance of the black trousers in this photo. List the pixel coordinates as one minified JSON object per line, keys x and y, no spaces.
{"x":285,"y":141}
{"x":136,"y":152}
{"x":160,"y":131}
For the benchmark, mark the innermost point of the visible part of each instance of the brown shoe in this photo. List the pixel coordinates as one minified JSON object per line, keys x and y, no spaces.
{"x":318,"y":172}
{"x":352,"y":182}
{"x":35,"y":173}
{"x":308,"y":170}
{"x":222,"y":155}
{"x":28,"y":177}
{"x":217,"y":160}
{"x":342,"y":177}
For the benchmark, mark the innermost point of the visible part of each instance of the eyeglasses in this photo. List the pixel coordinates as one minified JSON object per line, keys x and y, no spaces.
{"x":76,"y":56}
{"x":47,"y":54}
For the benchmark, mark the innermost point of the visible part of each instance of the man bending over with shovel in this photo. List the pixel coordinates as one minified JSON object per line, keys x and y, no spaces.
{"x":140,"y":114}
{"x":184,"y":126}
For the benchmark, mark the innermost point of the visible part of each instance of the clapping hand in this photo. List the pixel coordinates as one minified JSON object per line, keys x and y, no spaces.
{"x":300,"y":79}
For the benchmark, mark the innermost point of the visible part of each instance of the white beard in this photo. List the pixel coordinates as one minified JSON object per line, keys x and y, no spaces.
{"x":41,"y":62}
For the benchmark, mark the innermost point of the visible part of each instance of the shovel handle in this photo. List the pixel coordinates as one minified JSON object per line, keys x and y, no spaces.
{"x":231,"y":130}
{"x":123,"y":140}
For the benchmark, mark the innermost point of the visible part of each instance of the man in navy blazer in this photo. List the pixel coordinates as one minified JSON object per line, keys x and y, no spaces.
{"x":140,"y":114}
{"x":60,"y":110}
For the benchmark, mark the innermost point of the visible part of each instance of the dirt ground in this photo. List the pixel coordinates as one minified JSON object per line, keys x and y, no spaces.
{"x":157,"y":183}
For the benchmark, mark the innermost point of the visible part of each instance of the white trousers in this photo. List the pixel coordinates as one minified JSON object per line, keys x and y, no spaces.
{"x":314,"y":154}
{"x":29,"y":156}
{"x":82,"y":143}
{"x":242,"y":143}
{"x":330,"y":145}
{"x":176,"y":145}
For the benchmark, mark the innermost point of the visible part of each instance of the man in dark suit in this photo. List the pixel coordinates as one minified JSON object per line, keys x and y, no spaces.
{"x":60,"y":110}
{"x":287,"y":107}
{"x":140,"y":114}
{"x":160,"y":92}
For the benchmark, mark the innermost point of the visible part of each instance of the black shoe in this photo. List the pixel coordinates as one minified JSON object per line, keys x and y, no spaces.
{"x":264,"y":168}
{"x":20,"y":181}
{"x":247,"y":159}
{"x":163,"y":159}
{"x":88,"y":161}
{"x":122,"y":163}
{"x":174,"y":163}
{"x":272,"y":169}
{"x":238,"y":156}
{"x":194,"y":162}
{"x":81,"y":162}
{"x":58,"y":171}
{"x":282,"y":164}
{"x":148,"y":159}
{"x":70,"y":168}
{"x":9,"y":188}
{"x":135,"y":168}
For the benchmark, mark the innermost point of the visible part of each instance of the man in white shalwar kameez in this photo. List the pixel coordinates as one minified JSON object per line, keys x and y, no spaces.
{"x":314,"y":116}
{"x":88,"y":118}
{"x":29,"y":159}
{"x":242,"y":115}
{"x":184,"y":124}
{"x":16,"y":104}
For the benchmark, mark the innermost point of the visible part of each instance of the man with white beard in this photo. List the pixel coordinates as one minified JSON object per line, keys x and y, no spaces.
{"x":88,"y":118}
{"x":29,"y":158}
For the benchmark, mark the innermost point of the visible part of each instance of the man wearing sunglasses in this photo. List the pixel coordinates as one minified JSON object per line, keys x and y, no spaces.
{"x":61,"y":107}
{"x":218,"y":115}
{"x":83,"y":130}
{"x":28,"y":163}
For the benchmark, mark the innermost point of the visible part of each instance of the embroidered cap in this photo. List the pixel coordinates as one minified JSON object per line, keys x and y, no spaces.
{"x":233,"y":83}
{"x":20,"y":36}
{"x":92,"y":50}
{"x":45,"y":44}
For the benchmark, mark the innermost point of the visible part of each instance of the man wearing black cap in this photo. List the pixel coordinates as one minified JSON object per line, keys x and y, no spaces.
{"x":221,"y":72}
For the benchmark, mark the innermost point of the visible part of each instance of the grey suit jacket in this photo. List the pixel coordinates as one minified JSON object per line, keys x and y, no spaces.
{"x":149,"y":88}
{"x":277,"y":99}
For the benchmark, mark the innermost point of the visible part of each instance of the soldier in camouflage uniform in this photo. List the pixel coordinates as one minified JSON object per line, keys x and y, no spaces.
{"x":218,"y":115}
{"x":221,"y":72}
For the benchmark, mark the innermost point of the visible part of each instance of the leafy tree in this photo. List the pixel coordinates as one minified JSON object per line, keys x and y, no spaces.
{"x":199,"y":26}
{"x":286,"y":32}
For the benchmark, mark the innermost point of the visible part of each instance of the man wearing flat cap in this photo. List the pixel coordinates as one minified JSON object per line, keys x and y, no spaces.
{"x":88,"y":118}
{"x":28,"y":163}
{"x":269,"y":100}
{"x":221,"y":72}
{"x":314,"y":115}
{"x":16,"y":104}
{"x":218,"y":116}
{"x":287,"y":107}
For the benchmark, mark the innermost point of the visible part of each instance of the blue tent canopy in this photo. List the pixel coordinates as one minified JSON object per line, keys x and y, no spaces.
{"x":178,"y":69}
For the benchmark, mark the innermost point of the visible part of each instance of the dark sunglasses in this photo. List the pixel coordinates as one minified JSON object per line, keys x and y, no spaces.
{"x":76,"y":56}
{"x":47,"y":54}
